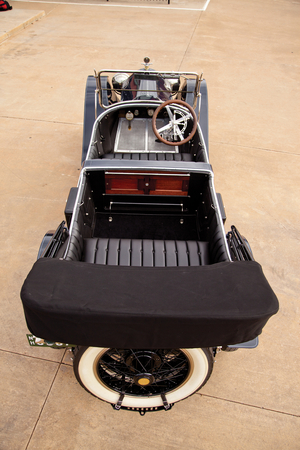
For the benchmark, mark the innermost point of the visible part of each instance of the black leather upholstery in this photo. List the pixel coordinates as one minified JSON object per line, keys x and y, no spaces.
{"x":76,"y":244}
{"x":150,"y":156}
{"x":145,"y":252}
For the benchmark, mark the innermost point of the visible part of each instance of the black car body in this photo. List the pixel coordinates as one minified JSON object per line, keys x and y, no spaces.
{"x":142,"y":279}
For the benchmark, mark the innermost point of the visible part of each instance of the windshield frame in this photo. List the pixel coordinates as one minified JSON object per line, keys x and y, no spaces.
{"x":146,"y":74}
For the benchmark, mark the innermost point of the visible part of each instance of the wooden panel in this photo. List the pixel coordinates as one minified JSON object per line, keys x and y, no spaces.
{"x":146,"y":183}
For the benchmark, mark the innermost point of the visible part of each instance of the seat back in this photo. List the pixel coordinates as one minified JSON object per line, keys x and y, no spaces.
{"x":145,"y":252}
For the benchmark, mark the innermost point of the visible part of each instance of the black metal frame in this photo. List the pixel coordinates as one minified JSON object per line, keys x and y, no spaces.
{"x":239,"y":247}
{"x":55,"y":242}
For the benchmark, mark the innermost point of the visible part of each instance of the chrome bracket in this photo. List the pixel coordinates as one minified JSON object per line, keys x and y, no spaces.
{"x":118,"y":405}
{"x":165,"y":402}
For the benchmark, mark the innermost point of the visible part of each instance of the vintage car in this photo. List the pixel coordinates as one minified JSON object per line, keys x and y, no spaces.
{"x":140,"y":280}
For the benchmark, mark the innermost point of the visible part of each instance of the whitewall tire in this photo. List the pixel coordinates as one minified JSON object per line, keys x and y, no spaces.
{"x":142,"y":375}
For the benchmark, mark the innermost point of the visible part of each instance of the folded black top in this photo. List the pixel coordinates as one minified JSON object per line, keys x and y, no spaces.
{"x":138,"y":307}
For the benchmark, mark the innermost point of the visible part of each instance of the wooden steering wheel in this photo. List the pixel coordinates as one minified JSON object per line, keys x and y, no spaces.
{"x":178,"y":120}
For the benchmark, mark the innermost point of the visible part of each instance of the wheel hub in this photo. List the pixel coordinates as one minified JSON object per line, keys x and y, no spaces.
{"x":144,"y":379}
{"x":141,"y":360}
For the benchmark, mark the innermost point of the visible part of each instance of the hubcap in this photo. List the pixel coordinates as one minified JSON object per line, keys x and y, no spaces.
{"x":144,"y":379}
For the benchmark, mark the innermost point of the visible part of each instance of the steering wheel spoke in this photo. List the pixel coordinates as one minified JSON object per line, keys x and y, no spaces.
{"x":178,"y":132}
{"x":170,"y":114}
{"x":165,"y":128}
{"x":179,"y":117}
{"x":183,"y":119}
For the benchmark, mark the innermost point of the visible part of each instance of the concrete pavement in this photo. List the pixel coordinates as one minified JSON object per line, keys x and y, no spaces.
{"x":249,"y":53}
{"x":15,"y":20}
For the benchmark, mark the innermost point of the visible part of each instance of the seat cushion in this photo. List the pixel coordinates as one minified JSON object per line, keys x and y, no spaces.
{"x":145,"y":252}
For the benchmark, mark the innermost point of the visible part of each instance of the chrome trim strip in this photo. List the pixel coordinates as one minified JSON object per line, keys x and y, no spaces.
{"x":216,"y":207}
{"x":147,"y":173}
{"x":166,"y":166}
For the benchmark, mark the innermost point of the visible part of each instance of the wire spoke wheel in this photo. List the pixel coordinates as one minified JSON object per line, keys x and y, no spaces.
{"x":143,"y":372}
{"x":143,"y":377}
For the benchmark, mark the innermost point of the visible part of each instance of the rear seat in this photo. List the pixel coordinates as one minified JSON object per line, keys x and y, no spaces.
{"x":145,"y":252}
{"x":150,"y":156}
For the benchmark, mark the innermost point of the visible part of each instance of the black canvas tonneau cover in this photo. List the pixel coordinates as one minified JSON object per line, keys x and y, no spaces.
{"x":139,"y":307}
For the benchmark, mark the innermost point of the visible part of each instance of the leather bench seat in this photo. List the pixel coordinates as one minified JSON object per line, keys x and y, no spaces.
{"x":150,"y":156}
{"x":145,"y":252}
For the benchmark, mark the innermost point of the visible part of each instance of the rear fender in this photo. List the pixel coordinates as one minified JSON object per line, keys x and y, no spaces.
{"x":52,"y":242}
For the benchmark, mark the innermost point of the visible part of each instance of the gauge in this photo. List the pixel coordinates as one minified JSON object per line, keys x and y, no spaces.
{"x":129,"y":115}
{"x":136,"y":112}
{"x":150,"y":112}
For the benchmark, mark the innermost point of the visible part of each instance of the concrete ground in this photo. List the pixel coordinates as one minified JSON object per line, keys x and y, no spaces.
{"x":249,"y":53}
